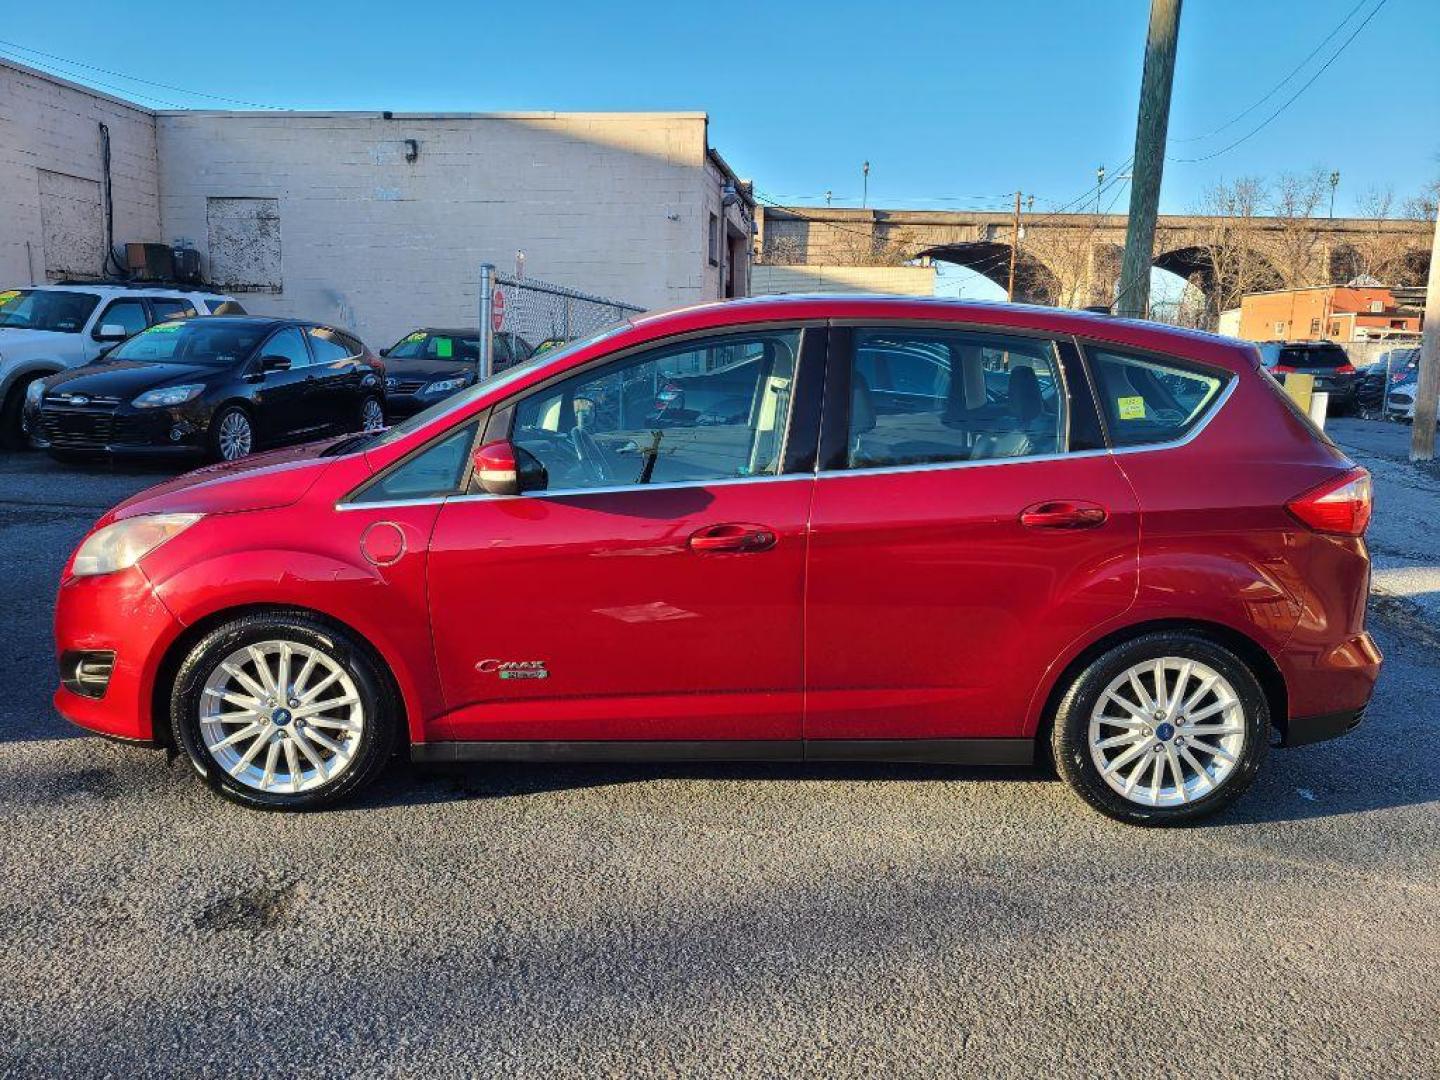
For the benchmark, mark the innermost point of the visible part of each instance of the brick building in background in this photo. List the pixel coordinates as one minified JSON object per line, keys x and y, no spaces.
{"x":1342,"y":313}
{"x":374,"y":221}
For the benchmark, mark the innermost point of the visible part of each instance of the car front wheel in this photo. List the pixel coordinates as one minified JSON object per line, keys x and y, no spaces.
{"x":280,"y":711}
{"x":232,"y":435}
{"x":372,"y":415}
{"x":1165,"y":729}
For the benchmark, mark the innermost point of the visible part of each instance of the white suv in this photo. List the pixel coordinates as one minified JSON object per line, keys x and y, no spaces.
{"x":48,"y":328}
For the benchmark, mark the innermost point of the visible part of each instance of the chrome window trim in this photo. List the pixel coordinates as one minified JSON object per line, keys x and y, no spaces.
{"x":805,"y":477}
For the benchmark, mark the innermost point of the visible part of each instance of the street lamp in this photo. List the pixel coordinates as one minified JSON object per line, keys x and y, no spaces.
{"x":1334,"y":183}
{"x":865,"y":184}
{"x":1099,"y":183}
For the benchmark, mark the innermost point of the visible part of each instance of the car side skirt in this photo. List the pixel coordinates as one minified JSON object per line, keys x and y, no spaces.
{"x":920,"y":751}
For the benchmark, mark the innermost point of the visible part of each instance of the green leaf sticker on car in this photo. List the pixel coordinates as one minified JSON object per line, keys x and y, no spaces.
{"x":444,"y":348}
{"x":1131,"y":408}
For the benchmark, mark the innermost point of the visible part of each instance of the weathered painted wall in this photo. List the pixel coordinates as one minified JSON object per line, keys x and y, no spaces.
{"x":613,"y":204}
{"x":895,"y":280}
{"x":50,"y":177}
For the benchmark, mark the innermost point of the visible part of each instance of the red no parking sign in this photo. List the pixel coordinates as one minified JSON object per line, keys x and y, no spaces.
{"x":497,"y":311}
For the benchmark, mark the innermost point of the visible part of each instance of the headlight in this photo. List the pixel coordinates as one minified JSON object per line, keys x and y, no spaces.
{"x":123,"y":544}
{"x":444,"y":386}
{"x":168,"y":395}
{"x":34,"y":391}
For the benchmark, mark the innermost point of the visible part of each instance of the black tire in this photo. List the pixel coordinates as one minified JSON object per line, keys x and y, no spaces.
{"x":13,"y":433}
{"x":1071,"y":732}
{"x":380,"y":706}
{"x":217,"y":423}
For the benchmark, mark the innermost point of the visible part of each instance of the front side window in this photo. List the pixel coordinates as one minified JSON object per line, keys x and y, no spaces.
{"x":1148,"y":400}
{"x":432,"y":473}
{"x":57,"y":311}
{"x":289,"y":344}
{"x":129,"y":314}
{"x":921,"y":396}
{"x":713,"y":409}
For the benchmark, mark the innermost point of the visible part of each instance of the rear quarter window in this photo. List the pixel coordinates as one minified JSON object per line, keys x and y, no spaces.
{"x":1148,"y":399}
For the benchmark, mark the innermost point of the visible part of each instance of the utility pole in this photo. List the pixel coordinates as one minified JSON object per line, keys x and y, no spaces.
{"x":1014,"y":248}
{"x":865,"y":185}
{"x":1427,"y":389}
{"x":1099,"y":184}
{"x":1151,"y":128}
{"x":1334,"y":183}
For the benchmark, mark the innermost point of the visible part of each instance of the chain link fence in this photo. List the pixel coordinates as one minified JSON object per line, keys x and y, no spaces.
{"x":543,"y":315}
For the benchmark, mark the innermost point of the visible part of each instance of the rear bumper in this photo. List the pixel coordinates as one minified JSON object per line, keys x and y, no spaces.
{"x":1328,"y":688}
{"x":117,"y":613}
{"x":1302,"y":731}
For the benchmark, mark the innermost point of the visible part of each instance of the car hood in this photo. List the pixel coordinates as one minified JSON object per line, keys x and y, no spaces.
{"x":426,"y":369}
{"x":126,"y":378}
{"x":260,"y":482}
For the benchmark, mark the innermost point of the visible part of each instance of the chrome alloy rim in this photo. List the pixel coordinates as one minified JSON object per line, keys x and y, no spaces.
{"x":1167,"y":732}
{"x":279,"y":716}
{"x":372,"y":416}
{"x":234,"y":436}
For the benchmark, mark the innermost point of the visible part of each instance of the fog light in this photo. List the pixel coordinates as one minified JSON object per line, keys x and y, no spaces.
{"x":179,"y":431}
{"x":87,"y":673}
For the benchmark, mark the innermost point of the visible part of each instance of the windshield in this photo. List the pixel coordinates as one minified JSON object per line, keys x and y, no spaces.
{"x":423,"y":346}
{"x":46,"y":309}
{"x":456,"y":402}
{"x":202,"y":342}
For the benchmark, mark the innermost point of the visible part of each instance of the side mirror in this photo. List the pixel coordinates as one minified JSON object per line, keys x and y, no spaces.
{"x":502,"y":468}
{"x":111,"y":332}
{"x":274,"y":363}
{"x":385,"y":351}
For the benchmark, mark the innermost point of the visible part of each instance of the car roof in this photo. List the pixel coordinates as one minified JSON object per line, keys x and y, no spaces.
{"x":450,"y":331}
{"x":1134,"y":333}
{"x":245,"y":320}
{"x":156,"y":287}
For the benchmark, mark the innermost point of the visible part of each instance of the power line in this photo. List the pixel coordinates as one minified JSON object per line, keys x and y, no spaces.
{"x":1276,"y":88}
{"x":1293,"y":97}
{"x":131,"y":78}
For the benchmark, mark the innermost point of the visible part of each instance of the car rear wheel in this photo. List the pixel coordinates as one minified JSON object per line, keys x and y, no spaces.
{"x":283,"y":712}
{"x":1165,"y":729}
{"x":232,"y":435}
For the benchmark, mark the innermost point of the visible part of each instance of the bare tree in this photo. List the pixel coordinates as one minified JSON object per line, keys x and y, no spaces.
{"x":1229,"y":245}
{"x":1423,"y":206}
{"x":1295,"y":202}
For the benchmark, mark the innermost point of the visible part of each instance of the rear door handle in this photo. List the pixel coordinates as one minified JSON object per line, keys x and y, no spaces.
{"x":1063,"y":514}
{"x":733,"y":537}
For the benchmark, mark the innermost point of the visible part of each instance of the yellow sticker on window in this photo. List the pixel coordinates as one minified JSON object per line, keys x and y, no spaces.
{"x":444,"y":348}
{"x":6,"y":297}
{"x":1131,"y":408}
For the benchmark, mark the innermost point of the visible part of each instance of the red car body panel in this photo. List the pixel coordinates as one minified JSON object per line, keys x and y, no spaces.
{"x":908,"y":604}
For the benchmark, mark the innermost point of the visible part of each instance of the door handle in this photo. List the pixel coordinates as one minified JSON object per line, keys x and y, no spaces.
{"x":1063,"y":514}
{"x":732,"y":537}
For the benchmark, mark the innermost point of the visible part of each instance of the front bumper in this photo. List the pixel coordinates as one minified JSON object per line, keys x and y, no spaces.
{"x":180,"y":430}
{"x":112,"y":613}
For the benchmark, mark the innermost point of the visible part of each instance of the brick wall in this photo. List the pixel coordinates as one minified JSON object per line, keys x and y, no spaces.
{"x":50,"y":176}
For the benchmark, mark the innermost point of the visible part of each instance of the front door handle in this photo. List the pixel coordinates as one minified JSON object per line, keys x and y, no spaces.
{"x":733,"y":537}
{"x":1063,"y":514}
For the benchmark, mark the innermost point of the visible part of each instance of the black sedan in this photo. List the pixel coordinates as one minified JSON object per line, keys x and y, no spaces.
{"x":220,"y":386}
{"x":430,"y":364}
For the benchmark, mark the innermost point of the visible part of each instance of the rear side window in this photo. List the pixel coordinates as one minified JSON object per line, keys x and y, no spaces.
{"x":166,"y":308}
{"x":924,"y":397}
{"x":226,"y":307}
{"x":1147,"y":400}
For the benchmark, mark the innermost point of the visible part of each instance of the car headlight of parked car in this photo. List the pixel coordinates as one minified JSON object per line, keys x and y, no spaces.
{"x":34,"y":391}
{"x":445,"y":386}
{"x":168,"y":395}
{"x":123,"y":544}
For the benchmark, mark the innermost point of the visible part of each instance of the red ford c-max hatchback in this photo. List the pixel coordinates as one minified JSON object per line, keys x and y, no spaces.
{"x":828,"y":529}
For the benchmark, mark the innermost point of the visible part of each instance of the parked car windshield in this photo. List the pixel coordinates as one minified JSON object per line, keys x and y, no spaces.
{"x":46,"y":309}
{"x":206,"y":342}
{"x":423,"y":346}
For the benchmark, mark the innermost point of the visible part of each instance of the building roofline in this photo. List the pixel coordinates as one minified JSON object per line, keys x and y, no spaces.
{"x":381,"y":114}
{"x":26,"y":69}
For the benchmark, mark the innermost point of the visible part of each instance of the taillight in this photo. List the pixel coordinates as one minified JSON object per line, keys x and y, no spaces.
{"x":1399,"y":376}
{"x":1283,"y":369}
{"x":1345,"y":369}
{"x":1340,"y":506}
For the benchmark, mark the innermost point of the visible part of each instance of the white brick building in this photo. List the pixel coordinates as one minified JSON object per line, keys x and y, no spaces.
{"x":375,"y":221}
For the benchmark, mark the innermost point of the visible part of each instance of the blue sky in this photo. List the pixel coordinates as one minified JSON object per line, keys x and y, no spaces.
{"x":953,"y":103}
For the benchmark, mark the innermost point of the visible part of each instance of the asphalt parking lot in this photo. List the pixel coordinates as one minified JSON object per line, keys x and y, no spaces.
{"x":718,"y":920}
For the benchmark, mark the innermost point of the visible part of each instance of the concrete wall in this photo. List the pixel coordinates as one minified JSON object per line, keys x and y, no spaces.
{"x":615,"y":204}
{"x":896,"y":280}
{"x":50,"y":177}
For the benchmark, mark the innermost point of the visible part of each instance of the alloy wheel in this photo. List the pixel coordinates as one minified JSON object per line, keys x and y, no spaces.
{"x":1167,"y":731}
{"x":281,"y":717}
{"x":235,"y":435}
{"x":372,"y":416}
